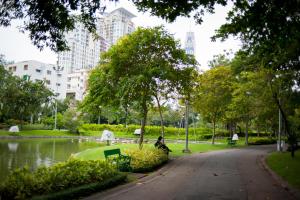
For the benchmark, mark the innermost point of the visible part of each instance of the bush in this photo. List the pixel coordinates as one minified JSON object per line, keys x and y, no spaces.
{"x":23,"y":184}
{"x":72,"y":120}
{"x":261,"y":140}
{"x":147,"y":159}
{"x":36,"y":127}
{"x":152,"y":130}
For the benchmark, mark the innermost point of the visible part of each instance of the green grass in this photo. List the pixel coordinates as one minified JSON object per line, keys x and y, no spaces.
{"x":38,"y":133}
{"x":97,"y":153}
{"x":286,"y":166}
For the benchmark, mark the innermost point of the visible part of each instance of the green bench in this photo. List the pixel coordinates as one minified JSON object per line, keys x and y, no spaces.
{"x":122,"y":161}
{"x":231,"y":142}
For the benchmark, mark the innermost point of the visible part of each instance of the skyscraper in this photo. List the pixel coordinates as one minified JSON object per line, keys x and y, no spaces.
{"x":84,"y":50}
{"x":190,"y":44}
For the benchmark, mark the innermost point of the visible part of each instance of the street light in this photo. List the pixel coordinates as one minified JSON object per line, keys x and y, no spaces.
{"x":57,"y":70}
{"x":186,"y":150}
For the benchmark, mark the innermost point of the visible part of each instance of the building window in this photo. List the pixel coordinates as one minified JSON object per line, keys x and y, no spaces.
{"x":57,"y":94}
{"x":13,"y":68}
{"x":59,"y":75}
{"x":48,"y":72}
{"x":38,"y":70}
{"x":68,"y":86}
{"x":57,"y":84}
{"x":25,"y":67}
{"x":48,"y":82}
{"x":69,"y":78}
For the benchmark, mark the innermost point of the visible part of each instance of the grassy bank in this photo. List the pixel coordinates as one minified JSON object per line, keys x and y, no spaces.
{"x":97,"y":153}
{"x":286,"y":166}
{"x":38,"y":133}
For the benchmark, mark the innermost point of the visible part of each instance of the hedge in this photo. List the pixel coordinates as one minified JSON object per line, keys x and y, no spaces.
{"x":261,"y":140}
{"x":24,"y":184}
{"x":151,"y":130}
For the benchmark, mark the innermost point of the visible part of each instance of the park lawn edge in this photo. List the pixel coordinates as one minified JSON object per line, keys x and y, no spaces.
{"x":85,"y":190}
{"x":285,"y":166}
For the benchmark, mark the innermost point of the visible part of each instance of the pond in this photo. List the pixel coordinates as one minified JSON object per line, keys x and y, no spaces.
{"x":16,"y":153}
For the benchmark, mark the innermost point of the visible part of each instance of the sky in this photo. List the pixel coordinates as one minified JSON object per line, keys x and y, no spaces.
{"x":17,"y":46}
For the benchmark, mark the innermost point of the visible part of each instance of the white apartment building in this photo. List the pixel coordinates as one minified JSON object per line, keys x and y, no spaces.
{"x":38,"y":71}
{"x":77,"y":84}
{"x":190,"y":43}
{"x":85,"y":50}
{"x":116,"y":24}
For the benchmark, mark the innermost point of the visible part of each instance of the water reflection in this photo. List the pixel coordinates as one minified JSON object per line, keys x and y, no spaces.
{"x":35,"y":152}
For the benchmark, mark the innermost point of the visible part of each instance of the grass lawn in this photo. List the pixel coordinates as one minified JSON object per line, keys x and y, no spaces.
{"x":97,"y":153}
{"x":286,"y":166}
{"x":39,"y":133}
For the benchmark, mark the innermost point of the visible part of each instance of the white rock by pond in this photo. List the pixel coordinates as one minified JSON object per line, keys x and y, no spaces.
{"x":137,"y":131}
{"x":107,"y":135}
{"x":14,"y":129}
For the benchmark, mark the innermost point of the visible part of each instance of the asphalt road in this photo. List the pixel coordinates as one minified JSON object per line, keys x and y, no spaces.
{"x":229,"y":174}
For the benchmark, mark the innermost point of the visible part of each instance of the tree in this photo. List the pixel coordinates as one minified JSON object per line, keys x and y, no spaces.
{"x":48,"y":20}
{"x":72,"y":120}
{"x":134,"y":67}
{"x":20,"y":98}
{"x":213,"y":94}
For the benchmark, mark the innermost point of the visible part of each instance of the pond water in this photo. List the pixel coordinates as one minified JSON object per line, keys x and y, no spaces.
{"x":16,"y":153}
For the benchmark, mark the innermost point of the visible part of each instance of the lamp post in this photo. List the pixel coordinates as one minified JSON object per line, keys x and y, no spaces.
{"x":186,"y":150}
{"x":57,"y":70}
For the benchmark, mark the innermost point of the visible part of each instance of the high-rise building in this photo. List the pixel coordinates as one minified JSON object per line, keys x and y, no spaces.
{"x":190,"y":44}
{"x":116,"y":24}
{"x":33,"y":70}
{"x":85,"y":50}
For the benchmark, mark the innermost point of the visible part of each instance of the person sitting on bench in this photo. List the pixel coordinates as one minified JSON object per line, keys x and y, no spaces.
{"x":160,"y":145}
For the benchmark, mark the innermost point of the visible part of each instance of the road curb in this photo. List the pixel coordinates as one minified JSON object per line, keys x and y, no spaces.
{"x":284,"y":184}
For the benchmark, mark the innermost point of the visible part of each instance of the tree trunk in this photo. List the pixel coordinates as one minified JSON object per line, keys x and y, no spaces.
{"x":214,"y":132}
{"x":145,"y":112}
{"x":161,"y":120}
{"x":246,"y":132}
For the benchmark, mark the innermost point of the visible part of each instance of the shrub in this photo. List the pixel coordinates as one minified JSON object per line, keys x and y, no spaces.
{"x":23,"y":184}
{"x":152,"y":130}
{"x":36,"y":127}
{"x":261,"y":140}
{"x":72,"y":120}
{"x":146,"y":159}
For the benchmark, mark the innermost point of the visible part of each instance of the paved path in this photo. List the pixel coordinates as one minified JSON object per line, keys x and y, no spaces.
{"x":229,"y":174}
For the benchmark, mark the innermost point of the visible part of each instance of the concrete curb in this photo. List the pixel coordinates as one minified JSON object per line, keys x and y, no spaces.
{"x":284,"y":184}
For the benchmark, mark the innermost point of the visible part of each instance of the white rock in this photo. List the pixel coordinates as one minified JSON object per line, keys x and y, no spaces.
{"x":14,"y":129}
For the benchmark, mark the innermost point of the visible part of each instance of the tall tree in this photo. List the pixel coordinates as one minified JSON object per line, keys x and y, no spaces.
{"x":134,"y":67}
{"x":213,"y":94}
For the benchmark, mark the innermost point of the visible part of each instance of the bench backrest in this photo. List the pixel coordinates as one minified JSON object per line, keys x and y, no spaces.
{"x":112,"y":152}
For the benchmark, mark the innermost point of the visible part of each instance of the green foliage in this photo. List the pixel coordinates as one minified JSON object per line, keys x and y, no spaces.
{"x":72,"y":120}
{"x":48,"y":20}
{"x":36,"y":127}
{"x":213,"y":94}
{"x":20,"y":98}
{"x":137,"y":69}
{"x":261,"y":140}
{"x":23,"y":184}
{"x":153,"y":131}
{"x":146,"y":159}
{"x":49,"y":121}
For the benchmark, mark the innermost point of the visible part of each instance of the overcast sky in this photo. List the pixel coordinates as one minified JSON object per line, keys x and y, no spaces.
{"x":17,"y":46}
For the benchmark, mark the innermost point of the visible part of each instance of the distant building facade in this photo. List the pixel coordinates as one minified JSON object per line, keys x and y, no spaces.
{"x":190,"y":43}
{"x":77,"y":84}
{"x":116,"y":24}
{"x":38,"y":71}
{"x":85,"y":50}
